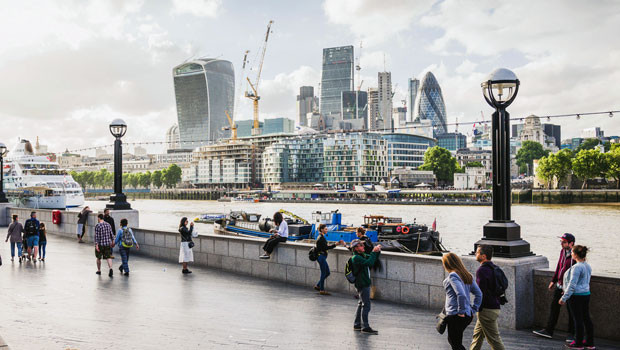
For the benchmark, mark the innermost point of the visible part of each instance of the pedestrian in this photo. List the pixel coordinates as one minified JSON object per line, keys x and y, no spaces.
{"x":321,"y":248}
{"x":362,"y":263}
{"x":81,"y":224}
{"x":125,"y":240}
{"x":360,"y":232}
{"x":103,"y":244}
{"x":42,"y":241}
{"x":31,"y":233}
{"x":459,"y":285}
{"x":186,"y":254}
{"x":278,"y":236}
{"x":110,"y":220}
{"x":15,"y":234}
{"x":488,"y":313}
{"x":577,"y":294}
{"x":565,"y":262}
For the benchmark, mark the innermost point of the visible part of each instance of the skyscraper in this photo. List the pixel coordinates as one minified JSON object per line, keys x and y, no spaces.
{"x":306,"y":103}
{"x":204,"y":90}
{"x":430,"y":104}
{"x":354,"y":109}
{"x":336,"y":77}
{"x":385,"y":99}
{"x":373,"y":109}
{"x":413,"y":86}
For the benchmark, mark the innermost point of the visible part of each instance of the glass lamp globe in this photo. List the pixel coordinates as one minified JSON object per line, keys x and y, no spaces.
{"x":500,"y":88}
{"x":3,"y":149}
{"x":118,"y":128}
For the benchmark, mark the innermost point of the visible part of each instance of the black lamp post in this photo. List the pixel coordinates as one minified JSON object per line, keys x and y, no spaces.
{"x":3,"y":152}
{"x":118,"y":201}
{"x":503,"y":234}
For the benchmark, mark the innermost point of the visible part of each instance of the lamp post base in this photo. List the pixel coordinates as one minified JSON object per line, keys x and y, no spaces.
{"x":118,"y":201}
{"x":505,"y":238}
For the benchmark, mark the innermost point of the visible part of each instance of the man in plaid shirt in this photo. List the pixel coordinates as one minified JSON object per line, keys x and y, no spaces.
{"x":103,"y":244}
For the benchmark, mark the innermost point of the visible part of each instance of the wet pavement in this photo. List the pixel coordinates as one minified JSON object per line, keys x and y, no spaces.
{"x":62,"y":304}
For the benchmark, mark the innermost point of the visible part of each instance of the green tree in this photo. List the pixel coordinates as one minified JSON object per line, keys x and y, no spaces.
{"x":172,"y":176}
{"x":613,"y":164}
{"x":529,"y":151}
{"x":474,"y":165}
{"x":588,"y":144}
{"x":89,"y":178}
{"x":544,"y":172}
{"x":145,"y":179}
{"x":126,"y":179}
{"x":134,"y":180}
{"x":100,"y":178}
{"x":156,"y":179}
{"x":560,"y":164}
{"x":588,"y":164}
{"x":441,"y":162}
{"x":108,"y":180}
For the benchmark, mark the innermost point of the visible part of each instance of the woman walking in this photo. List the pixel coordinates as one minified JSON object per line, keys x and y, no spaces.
{"x":15,"y":234}
{"x":42,"y":241}
{"x":185,"y":254}
{"x":577,"y":294}
{"x":458,"y":309}
{"x":125,"y":240}
{"x":321,"y":248}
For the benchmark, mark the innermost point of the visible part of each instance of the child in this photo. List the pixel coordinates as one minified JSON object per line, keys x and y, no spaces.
{"x":42,"y":241}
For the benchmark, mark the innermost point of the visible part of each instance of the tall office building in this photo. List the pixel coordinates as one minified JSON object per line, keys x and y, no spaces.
{"x":354,"y":110}
{"x":413,"y":85}
{"x":373,"y":109}
{"x":306,"y":103}
{"x":430,"y":104}
{"x":336,"y":77}
{"x":385,"y":99}
{"x":205,"y":91}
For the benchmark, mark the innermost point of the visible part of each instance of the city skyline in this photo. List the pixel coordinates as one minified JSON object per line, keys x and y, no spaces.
{"x":133,"y":46}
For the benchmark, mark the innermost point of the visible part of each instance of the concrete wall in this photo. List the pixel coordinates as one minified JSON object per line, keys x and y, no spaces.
{"x":604,"y":304}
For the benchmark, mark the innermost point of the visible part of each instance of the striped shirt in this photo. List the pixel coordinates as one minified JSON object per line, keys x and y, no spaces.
{"x":103,"y":234}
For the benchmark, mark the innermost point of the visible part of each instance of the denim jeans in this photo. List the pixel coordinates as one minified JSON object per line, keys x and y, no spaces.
{"x":42,"y":246}
{"x":19,"y":249}
{"x":322,"y":260}
{"x":124,"y":257}
{"x":363,"y":308}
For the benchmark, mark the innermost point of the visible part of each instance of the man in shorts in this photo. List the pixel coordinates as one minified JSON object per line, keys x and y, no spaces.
{"x":103,"y":244}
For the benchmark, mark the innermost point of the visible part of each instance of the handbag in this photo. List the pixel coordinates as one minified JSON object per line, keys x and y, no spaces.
{"x":190,"y":245}
{"x":441,"y":321}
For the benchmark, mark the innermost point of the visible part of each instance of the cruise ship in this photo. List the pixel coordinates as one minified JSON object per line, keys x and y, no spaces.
{"x":23,"y":169}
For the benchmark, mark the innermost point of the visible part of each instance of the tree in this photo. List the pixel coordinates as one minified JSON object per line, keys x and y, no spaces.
{"x":156,"y":179}
{"x":613,"y":164}
{"x":134,"y":179}
{"x":588,"y":164}
{"x":145,"y":179}
{"x":108,"y":180}
{"x":474,"y":165}
{"x":543,"y":170}
{"x":441,"y":162}
{"x":588,"y":144}
{"x":529,"y":151}
{"x":560,"y":164}
{"x":100,"y":178}
{"x":172,"y":176}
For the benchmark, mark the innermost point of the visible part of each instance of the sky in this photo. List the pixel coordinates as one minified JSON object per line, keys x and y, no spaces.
{"x":68,"y":68}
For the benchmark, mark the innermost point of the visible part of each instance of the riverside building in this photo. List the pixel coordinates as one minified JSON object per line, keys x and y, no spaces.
{"x":354,"y":159}
{"x":223,"y":164}
{"x":293,"y":160}
{"x":204,"y":91}
{"x":336,"y":77}
{"x":406,"y":150}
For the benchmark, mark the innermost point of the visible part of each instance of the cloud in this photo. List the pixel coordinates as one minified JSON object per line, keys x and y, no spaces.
{"x":198,"y":8}
{"x":375,"y":22}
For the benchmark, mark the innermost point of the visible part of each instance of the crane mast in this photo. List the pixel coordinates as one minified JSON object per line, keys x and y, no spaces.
{"x":253,"y":94}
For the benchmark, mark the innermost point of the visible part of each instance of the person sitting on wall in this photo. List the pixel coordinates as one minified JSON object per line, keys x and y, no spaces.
{"x":280,"y":235}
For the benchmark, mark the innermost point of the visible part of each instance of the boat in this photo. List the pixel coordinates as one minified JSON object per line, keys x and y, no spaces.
{"x":336,"y":231}
{"x":24,"y":169}
{"x":209,"y":218}
{"x":252,"y":225}
{"x":394,"y":235}
{"x":37,"y":198}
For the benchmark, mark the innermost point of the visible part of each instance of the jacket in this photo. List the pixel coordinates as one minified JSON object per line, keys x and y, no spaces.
{"x":83,"y":216}
{"x":36,"y":228}
{"x":186,"y":235}
{"x":564,"y":263}
{"x":458,"y":300}
{"x":15,"y":232}
{"x":110,"y":220}
{"x":362,"y":263}
{"x":577,"y":280}
{"x":485,"y":278}
{"x":321,"y":245}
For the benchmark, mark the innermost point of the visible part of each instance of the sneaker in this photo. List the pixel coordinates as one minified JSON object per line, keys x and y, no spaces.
{"x":20,"y":259}
{"x":120,"y":268}
{"x":317,"y":288}
{"x":126,"y":273}
{"x":574,"y":345}
{"x":111,"y":273}
{"x":324,"y":292}
{"x":264,"y":256}
{"x":589,"y":347}
{"x":11,"y":259}
{"x":98,"y":272}
{"x":357,"y":328}
{"x":43,"y":259}
{"x":569,"y":339}
{"x":81,"y":241}
{"x":186,"y":271}
{"x":369,"y":330}
{"x":543,"y":333}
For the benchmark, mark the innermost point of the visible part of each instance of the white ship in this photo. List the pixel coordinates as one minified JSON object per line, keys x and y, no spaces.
{"x":23,"y":169}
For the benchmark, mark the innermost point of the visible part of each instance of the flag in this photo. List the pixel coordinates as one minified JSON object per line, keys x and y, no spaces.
{"x":434,"y":227}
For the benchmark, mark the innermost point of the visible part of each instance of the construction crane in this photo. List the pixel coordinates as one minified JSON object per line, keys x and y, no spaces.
{"x":242,"y":78}
{"x":286,"y":212}
{"x":232,"y":127}
{"x":253,"y":95}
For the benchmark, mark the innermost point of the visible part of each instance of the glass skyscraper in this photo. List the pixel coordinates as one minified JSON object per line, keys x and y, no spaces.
{"x":412,"y":91}
{"x":429,"y":104}
{"x":336,"y":77}
{"x":204,"y":91}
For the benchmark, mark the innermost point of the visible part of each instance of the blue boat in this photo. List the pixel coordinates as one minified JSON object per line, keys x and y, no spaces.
{"x":209,"y":218}
{"x":252,"y":225}
{"x":336,"y":231}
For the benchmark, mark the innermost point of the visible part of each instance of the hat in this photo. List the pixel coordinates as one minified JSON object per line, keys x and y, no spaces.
{"x":568,"y":237}
{"x":355,"y":243}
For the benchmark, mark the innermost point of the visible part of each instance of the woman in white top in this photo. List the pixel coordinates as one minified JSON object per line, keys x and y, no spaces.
{"x":281,"y":235}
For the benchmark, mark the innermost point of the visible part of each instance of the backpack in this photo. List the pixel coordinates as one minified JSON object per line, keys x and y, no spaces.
{"x":312,"y":254}
{"x":349,"y":271}
{"x":30,"y":228}
{"x":501,"y":284}
{"x":126,"y":238}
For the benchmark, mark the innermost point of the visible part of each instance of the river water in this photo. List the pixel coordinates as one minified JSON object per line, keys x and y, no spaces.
{"x":596,"y":226}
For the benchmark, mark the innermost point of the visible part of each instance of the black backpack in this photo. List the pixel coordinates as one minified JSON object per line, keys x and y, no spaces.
{"x":312,"y":254}
{"x":30,"y":228}
{"x":501,"y":284}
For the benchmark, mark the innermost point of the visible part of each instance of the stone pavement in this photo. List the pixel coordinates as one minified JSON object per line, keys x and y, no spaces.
{"x":62,"y":304}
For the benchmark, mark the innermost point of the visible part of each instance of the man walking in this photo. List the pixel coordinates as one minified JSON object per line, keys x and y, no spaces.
{"x":486,"y":325}
{"x":362,"y":263}
{"x":565,"y":262}
{"x":103,"y":244}
{"x":31,"y":233}
{"x":110,"y":220}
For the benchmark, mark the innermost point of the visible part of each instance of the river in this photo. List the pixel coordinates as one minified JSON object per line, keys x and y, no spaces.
{"x":596,"y":226}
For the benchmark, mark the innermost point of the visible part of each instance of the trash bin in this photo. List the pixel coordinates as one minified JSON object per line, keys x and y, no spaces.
{"x":56,"y":217}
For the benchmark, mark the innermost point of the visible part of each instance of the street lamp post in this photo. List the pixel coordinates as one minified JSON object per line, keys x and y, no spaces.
{"x":3,"y":152}
{"x":503,"y":234}
{"x":118,"y":201}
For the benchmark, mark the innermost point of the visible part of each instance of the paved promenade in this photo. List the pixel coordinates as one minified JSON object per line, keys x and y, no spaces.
{"x":62,"y":304}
